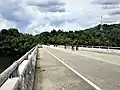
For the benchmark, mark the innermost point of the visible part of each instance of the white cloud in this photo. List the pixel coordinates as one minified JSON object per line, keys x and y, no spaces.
{"x":4,"y":24}
{"x":35,"y":16}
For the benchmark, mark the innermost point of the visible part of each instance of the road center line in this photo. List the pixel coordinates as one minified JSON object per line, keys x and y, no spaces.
{"x":73,"y":70}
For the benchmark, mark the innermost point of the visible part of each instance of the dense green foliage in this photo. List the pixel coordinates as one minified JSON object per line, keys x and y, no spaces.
{"x":110,"y":36}
{"x":13,"y":43}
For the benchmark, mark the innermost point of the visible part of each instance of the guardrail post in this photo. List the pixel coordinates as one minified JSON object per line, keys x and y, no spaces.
{"x":15,"y":73}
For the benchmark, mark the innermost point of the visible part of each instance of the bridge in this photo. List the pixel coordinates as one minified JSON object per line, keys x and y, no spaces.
{"x":56,"y":68}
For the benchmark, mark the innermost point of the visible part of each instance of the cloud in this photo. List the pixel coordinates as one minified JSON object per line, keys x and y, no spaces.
{"x":111,"y":19}
{"x":25,"y":11}
{"x":114,"y":13}
{"x":14,"y":12}
{"x":49,"y":6}
{"x":50,"y":21}
{"x":52,"y":9}
{"x":4,"y":24}
{"x":106,"y":2}
{"x":110,"y":6}
{"x":35,"y":16}
{"x":46,"y":3}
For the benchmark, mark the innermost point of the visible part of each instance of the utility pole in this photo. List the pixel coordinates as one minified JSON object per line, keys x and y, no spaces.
{"x":101,"y":26}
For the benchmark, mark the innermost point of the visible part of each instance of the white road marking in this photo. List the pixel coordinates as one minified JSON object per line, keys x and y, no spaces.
{"x":91,"y":57}
{"x":80,"y":75}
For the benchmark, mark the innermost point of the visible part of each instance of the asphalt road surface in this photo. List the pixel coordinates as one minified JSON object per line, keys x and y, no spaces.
{"x":101,"y":69}
{"x":53,"y":75}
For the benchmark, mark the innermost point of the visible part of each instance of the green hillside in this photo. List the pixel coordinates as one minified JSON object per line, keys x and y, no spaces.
{"x":13,"y":43}
{"x":110,"y":36}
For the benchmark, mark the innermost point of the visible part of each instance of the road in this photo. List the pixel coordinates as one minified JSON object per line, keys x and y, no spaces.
{"x":53,"y":75}
{"x":101,"y":69}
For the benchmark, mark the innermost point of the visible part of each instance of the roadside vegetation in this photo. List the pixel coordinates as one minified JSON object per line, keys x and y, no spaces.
{"x":14,"y":43}
{"x":110,"y":36}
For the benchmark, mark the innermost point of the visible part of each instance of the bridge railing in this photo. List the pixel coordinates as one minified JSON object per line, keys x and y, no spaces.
{"x":20,"y":75}
{"x":101,"y":47}
{"x":104,"y":49}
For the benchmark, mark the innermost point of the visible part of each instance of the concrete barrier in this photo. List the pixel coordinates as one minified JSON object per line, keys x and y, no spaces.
{"x":109,"y":51}
{"x":20,"y":75}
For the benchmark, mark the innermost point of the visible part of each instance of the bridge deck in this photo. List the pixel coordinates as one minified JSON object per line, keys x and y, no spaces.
{"x":102,"y":69}
{"x":53,"y":75}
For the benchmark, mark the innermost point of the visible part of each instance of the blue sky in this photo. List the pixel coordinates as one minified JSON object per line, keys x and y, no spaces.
{"x":35,"y":16}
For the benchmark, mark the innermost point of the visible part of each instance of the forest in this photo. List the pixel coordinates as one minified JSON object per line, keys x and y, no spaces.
{"x":109,"y":36}
{"x":14,"y":43}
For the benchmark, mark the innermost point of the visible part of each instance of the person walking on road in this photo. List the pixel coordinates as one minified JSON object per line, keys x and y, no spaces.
{"x":77,"y":47}
{"x":65,"y":46}
{"x":73,"y":47}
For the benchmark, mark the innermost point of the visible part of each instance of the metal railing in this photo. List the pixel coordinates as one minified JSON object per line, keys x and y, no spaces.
{"x":25,"y":75}
{"x":102,"y":47}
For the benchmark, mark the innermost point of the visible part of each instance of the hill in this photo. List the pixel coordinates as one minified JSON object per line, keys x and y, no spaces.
{"x":13,"y":43}
{"x":110,"y":36}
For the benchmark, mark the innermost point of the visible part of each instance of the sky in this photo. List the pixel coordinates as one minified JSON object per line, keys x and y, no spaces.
{"x":36,"y":16}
